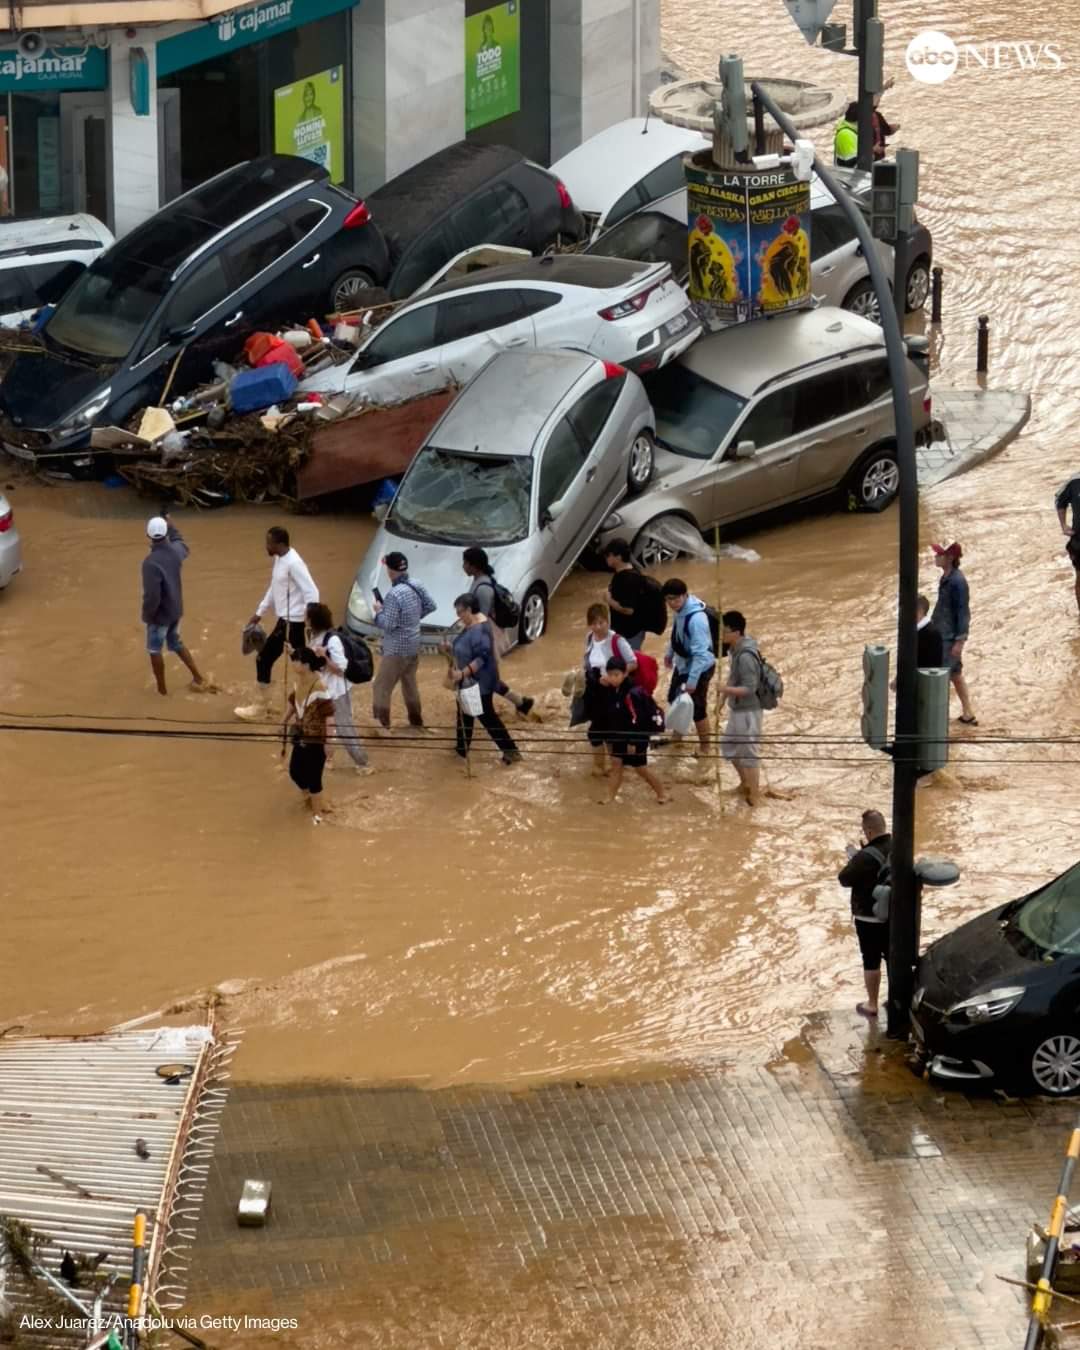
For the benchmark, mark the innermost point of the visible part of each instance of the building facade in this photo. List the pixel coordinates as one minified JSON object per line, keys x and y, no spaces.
{"x":118,"y":120}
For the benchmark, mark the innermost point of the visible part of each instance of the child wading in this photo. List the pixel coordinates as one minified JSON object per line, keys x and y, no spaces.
{"x":634,"y":718}
{"x":311,"y":707}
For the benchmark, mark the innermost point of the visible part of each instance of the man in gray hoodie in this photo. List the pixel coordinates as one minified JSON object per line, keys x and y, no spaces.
{"x":742,"y":734}
{"x":163,"y":600}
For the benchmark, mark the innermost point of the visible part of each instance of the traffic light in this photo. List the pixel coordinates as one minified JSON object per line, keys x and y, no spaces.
{"x":733,"y":104}
{"x":875,"y":696}
{"x":884,"y":199}
{"x":907,"y":188}
{"x":932,"y":718}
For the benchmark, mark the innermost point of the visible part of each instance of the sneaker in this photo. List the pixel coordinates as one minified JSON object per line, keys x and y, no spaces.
{"x":512,"y":757}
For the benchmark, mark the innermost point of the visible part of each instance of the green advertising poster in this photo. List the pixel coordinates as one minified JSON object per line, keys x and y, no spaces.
{"x":309,"y":120}
{"x":492,"y":69}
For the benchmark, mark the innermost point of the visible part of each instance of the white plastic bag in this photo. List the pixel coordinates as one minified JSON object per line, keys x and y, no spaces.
{"x":680,"y":715}
{"x":469,"y":698}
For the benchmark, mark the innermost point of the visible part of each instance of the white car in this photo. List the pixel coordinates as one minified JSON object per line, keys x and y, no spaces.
{"x":41,"y":259}
{"x":627,"y":167}
{"x":632,"y":314}
{"x":10,"y":544}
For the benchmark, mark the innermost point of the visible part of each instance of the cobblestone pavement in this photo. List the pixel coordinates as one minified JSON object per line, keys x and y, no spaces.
{"x":978,"y":423}
{"x":829,"y":1199}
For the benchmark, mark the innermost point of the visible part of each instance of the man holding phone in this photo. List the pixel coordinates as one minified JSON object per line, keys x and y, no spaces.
{"x":398,"y":618}
{"x":861,"y":875}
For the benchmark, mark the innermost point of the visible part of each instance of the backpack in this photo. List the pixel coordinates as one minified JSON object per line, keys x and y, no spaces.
{"x":883,"y":889}
{"x":682,"y":648}
{"x":653,"y":606}
{"x":647,"y":675}
{"x":359,"y":665}
{"x":652,"y":718}
{"x":770,"y":687}
{"x":505,"y":611}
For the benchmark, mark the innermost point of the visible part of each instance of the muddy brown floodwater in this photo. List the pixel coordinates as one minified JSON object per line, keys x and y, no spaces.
{"x":507,"y":928}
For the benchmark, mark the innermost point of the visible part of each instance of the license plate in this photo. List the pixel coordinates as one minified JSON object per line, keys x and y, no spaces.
{"x":678,"y":323}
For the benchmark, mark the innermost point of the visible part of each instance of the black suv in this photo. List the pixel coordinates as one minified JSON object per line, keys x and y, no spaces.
{"x":465,"y":195}
{"x":264,"y":243}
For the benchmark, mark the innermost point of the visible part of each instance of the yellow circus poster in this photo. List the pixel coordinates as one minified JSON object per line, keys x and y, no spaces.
{"x":749,"y":241}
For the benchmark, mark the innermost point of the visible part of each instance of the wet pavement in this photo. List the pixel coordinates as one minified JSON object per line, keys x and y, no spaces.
{"x":828,"y":1199}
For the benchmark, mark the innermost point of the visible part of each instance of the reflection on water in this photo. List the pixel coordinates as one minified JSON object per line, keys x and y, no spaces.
{"x":507,"y":927}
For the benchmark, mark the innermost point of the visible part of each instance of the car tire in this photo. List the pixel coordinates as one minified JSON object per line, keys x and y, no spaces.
{"x":534,"y":614}
{"x":346,"y":290}
{"x":649,"y":552}
{"x":639,"y":471}
{"x":1053,"y":1065}
{"x":862,"y":300}
{"x":917,"y":287}
{"x":874,"y":482}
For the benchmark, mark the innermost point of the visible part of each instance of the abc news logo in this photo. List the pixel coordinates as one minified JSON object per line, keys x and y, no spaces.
{"x":932,"y":56}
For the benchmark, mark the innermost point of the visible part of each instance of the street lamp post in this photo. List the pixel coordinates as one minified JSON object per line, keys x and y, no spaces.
{"x":903,"y":939}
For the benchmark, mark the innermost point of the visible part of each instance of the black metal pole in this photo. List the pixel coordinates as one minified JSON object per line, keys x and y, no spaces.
{"x":900,"y":266}
{"x":903,"y":941}
{"x":935,"y":294}
{"x":864,"y":9}
{"x":982,"y":355}
{"x":759,"y":127}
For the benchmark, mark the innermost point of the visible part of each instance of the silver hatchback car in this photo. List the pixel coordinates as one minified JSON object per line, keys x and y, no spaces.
{"x":526,"y":462}
{"x":767,"y":413}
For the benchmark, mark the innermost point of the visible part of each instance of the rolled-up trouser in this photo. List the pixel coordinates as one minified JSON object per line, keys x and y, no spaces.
{"x":275,"y":645}
{"x":392,"y":671}
{"x":347,"y":734}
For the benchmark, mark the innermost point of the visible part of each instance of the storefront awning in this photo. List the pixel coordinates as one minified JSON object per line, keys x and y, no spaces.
{"x":38,"y":14}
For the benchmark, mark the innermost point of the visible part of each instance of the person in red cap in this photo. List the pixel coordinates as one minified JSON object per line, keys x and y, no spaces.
{"x":952,"y":619}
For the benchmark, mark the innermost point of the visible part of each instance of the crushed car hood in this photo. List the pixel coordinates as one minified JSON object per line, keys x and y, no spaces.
{"x":41,"y":390}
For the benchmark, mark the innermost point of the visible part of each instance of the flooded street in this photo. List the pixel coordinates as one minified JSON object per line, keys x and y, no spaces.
{"x":506,"y":928}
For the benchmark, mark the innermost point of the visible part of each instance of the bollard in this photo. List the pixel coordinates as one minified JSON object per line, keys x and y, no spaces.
{"x":982,"y":360}
{"x":935,"y":294}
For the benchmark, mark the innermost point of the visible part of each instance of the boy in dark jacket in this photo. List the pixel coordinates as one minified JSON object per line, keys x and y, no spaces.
{"x":633,"y":719}
{"x":163,"y":600}
{"x":860,"y":875}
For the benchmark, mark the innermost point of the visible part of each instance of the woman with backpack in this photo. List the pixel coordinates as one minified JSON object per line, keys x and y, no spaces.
{"x":601,"y":644}
{"x":310,"y":707}
{"x":634,"y":719}
{"x":324,"y":641}
{"x":498,"y":607}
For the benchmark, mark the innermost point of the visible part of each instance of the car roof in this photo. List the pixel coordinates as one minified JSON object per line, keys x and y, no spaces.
{"x":178,"y":230}
{"x":504,"y":408}
{"x":557,"y":269}
{"x":746,"y":356}
{"x":601,"y":169}
{"x":404,"y":207}
{"x":52,"y":234}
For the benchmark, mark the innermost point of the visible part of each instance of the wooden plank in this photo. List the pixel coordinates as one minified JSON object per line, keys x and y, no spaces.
{"x":371,"y":446}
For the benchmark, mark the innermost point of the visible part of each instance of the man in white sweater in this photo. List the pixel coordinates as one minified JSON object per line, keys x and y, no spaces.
{"x":290,"y":592}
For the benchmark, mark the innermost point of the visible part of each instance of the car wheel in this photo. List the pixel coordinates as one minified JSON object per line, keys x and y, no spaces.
{"x":639,"y":471}
{"x":862,"y":300}
{"x":648,"y":549}
{"x":348,"y":286}
{"x":918,"y":284}
{"x":875,"y":480}
{"x":1055,"y":1065}
{"x":533,"y":614}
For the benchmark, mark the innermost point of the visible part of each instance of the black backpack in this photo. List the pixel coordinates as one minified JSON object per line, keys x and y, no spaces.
{"x":653,"y":605}
{"x":682,"y":649}
{"x":359,"y":664}
{"x":505,"y":612}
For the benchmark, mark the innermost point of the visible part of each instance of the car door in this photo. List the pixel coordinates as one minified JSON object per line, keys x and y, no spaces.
{"x":275,"y":267}
{"x":605,"y":431}
{"x":474,"y":325}
{"x":401,"y":360}
{"x":562,"y":506}
{"x":830,"y":428}
{"x":836,"y":260}
{"x":767,"y":477}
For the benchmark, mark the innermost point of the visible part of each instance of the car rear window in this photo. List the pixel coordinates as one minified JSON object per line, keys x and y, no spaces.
{"x":693,"y":415}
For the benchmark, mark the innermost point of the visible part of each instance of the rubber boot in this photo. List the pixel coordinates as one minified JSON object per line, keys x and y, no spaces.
{"x":259,"y":708}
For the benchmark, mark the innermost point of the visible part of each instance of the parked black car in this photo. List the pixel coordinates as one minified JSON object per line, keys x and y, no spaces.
{"x":264,"y":243}
{"x":999,"y":998}
{"x":465,"y":195}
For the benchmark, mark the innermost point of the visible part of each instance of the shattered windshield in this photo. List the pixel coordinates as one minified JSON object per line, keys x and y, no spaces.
{"x":106,"y":309}
{"x":1051,"y":918}
{"x":464,"y":499}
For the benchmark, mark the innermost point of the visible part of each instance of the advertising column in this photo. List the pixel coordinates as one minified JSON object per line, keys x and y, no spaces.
{"x":749,"y":243}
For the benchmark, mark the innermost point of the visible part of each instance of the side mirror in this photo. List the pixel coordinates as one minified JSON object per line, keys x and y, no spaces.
{"x":553,"y":512}
{"x":182,"y":334}
{"x":745,"y":450}
{"x":858,"y":250}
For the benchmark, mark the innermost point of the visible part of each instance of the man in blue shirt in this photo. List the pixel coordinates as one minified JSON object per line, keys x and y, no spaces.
{"x":398,"y":620}
{"x":952,"y":619}
{"x":163,"y":600}
{"x":690,"y":654}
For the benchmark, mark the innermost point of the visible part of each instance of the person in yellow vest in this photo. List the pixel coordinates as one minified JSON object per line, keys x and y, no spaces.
{"x":846,"y":139}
